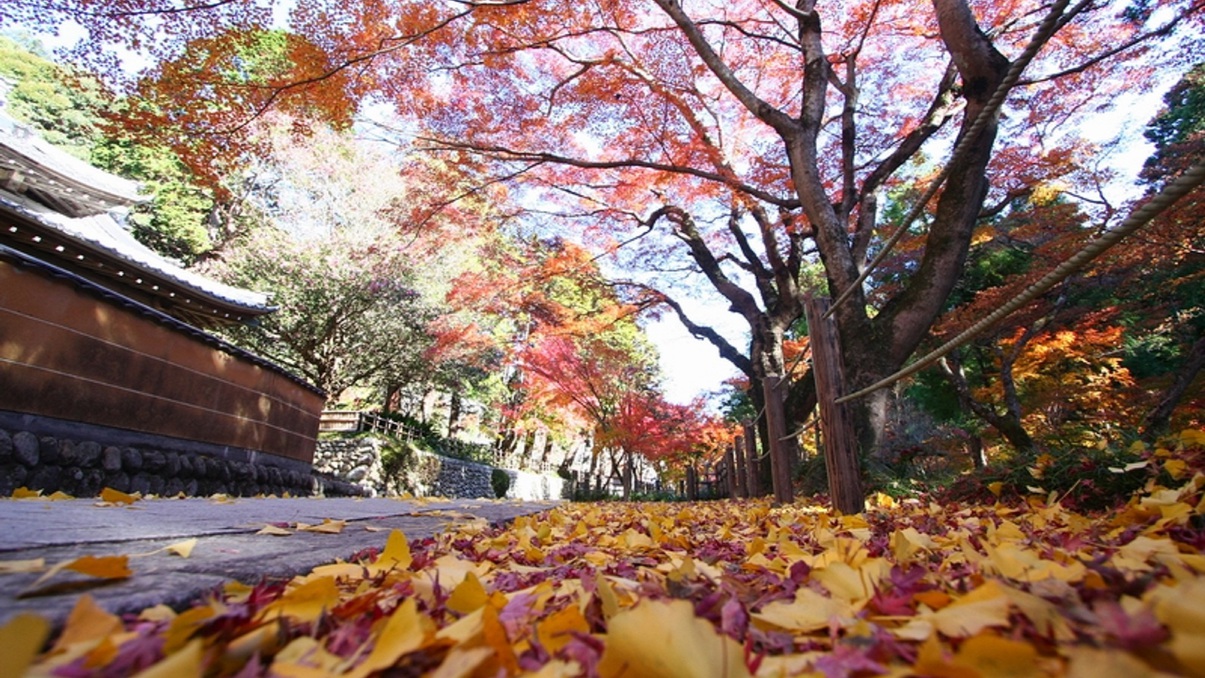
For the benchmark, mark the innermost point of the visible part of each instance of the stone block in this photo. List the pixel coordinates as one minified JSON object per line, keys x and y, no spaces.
{"x":26,"y":449}
{"x":89,"y":452}
{"x":67,"y":453}
{"x":48,"y":450}
{"x":110,"y":459}
{"x":154,"y":461}
{"x":131,"y":460}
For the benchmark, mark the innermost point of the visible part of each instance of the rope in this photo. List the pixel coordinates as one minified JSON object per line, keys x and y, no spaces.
{"x":1137,"y":219}
{"x":1047,"y":29}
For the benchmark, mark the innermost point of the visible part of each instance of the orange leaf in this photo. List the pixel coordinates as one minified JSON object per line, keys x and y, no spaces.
{"x":117,"y":496}
{"x":102,"y":567}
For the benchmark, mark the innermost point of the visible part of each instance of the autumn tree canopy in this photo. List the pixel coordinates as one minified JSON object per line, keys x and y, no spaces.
{"x":726,"y":142}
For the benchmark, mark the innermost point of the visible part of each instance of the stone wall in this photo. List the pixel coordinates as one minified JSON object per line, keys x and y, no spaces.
{"x":383,"y":467}
{"x":82,"y":467}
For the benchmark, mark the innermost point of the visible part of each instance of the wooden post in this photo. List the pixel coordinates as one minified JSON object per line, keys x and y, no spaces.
{"x":730,"y":472}
{"x":836,"y":425}
{"x":753,"y":486}
{"x":692,"y":483}
{"x":738,"y":455}
{"x":780,"y":457}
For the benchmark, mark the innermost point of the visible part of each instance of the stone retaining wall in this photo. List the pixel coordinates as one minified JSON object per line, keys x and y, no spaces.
{"x":381,"y":470}
{"x":82,"y":468}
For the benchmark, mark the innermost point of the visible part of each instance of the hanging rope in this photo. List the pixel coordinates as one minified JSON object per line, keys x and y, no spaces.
{"x":1137,"y":219}
{"x":1047,"y":29}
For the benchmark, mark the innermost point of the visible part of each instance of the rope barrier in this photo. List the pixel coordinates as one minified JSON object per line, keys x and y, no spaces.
{"x":1137,"y":219}
{"x":1045,"y":30}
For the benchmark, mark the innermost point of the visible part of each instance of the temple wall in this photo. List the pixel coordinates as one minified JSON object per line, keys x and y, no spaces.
{"x":74,"y":353}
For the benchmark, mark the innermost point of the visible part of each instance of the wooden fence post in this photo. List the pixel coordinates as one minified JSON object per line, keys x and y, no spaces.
{"x":738,"y":456}
{"x":753,"y":486}
{"x":730,"y":472}
{"x":780,"y":458}
{"x":836,"y":425}
{"x":692,"y":483}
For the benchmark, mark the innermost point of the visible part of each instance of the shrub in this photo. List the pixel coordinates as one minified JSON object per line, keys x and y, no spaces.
{"x":501,"y":482}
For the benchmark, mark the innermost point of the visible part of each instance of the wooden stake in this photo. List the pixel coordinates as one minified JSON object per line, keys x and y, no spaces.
{"x":836,"y":425}
{"x":780,"y":459}
{"x":742,"y":479}
{"x":753,"y":484}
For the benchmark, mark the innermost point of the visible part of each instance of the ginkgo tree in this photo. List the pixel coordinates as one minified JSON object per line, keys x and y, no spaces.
{"x":738,"y":138}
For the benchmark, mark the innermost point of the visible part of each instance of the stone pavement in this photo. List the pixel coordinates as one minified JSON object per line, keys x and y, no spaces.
{"x":227,"y":547}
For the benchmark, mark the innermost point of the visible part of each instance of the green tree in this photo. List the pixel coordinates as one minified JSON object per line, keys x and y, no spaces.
{"x":346,"y":312}
{"x":69,"y":110}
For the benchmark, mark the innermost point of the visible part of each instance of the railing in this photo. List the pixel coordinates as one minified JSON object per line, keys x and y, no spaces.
{"x":343,"y":420}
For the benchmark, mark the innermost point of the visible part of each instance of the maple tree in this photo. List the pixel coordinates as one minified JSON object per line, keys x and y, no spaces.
{"x":735,"y":137}
{"x":578,"y":361}
{"x":1115,"y":345}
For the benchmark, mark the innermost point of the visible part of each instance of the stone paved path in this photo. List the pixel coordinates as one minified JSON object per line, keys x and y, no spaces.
{"x":227,"y":547}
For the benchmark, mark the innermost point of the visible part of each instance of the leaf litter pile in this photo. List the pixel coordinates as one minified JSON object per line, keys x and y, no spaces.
{"x":732,"y":588}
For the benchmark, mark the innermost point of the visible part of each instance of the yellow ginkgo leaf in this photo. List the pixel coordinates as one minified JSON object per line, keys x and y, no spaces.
{"x":809,"y":612}
{"x":1182,"y":609}
{"x":22,"y":638}
{"x":1176,"y":468}
{"x":274,"y":531}
{"x":307,"y":601}
{"x":405,"y":631}
{"x":995,"y":657}
{"x":182,"y":627}
{"x":1192,"y":438}
{"x":26,"y":493}
{"x":468,"y":596}
{"x":664,"y":639}
{"x":327,"y":526}
{"x":1088,"y":662}
{"x":396,"y":554}
{"x":87,"y":624}
{"x":985,"y":607}
{"x":182,"y":548}
{"x":557,"y":629}
{"x":461,"y":662}
{"x":183,"y":664}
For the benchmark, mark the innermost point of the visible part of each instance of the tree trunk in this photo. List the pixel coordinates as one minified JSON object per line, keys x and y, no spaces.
{"x":1159,"y":419}
{"x":454,"y":414}
{"x":1008,"y":425}
{"x":975,"y":450}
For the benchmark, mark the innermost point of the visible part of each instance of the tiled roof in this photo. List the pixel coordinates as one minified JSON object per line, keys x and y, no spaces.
{"x":78,"y":202}
{"x":103,"y":233}
{"x":30,"y":163}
